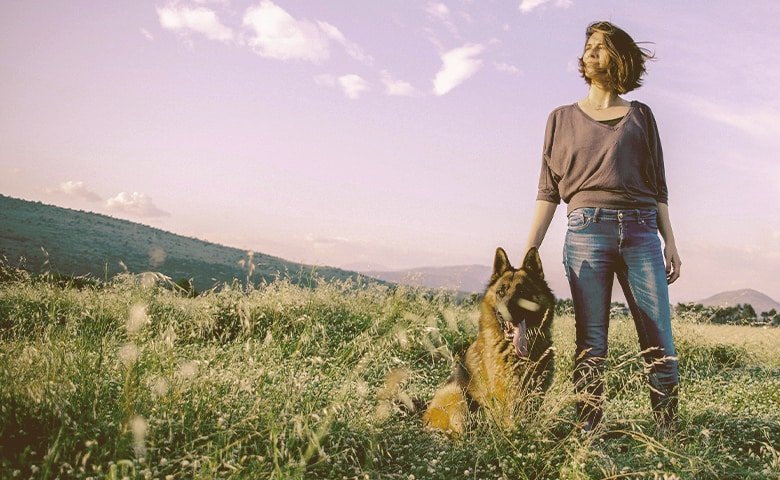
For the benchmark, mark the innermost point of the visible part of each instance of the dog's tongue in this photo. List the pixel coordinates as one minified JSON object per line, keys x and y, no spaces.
{"x":520,"y":342}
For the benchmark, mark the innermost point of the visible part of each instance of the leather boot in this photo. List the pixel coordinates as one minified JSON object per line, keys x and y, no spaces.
{"x":589,"y":382}
{"x":589,"y":414}
{"x":664,"y":401}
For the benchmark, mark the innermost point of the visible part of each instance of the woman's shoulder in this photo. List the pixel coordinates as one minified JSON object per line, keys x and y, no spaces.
{"x":562,"y":111}
{"x":644,"y":110}
{"x":642,"y":107}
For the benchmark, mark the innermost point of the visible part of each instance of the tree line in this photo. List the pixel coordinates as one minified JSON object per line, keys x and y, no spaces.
{"x":741,"y":314}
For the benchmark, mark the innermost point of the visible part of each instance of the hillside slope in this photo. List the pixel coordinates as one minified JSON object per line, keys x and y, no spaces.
{"x":758,"y":300}
{"x":48,"y":238}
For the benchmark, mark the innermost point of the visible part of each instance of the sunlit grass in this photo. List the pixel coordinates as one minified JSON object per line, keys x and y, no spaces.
{"x":281,"y":381}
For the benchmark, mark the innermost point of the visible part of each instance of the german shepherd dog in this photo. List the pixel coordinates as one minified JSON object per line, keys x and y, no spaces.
{"x":512,"y":355}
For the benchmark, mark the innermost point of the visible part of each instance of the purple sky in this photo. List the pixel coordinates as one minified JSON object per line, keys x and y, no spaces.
{"x":387,"y":133}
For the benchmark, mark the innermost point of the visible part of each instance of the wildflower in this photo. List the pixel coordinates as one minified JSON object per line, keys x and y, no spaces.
{"x":169,"y":337}
{"x":188,"y":370}
{"x":136,"y":318}
{"x":148,"y":279}
{"x":159,"y":387}
{"x":138,"y":426}
{"x":128,"y":354}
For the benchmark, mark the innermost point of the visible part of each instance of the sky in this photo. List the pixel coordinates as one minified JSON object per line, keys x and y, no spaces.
{"x":383,"y":134}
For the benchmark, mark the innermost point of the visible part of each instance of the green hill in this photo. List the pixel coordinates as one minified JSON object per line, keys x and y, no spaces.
{"x":43,"y":237}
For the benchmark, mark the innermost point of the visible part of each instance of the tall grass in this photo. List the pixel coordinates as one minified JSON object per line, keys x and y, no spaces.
{"x":133,"y":380}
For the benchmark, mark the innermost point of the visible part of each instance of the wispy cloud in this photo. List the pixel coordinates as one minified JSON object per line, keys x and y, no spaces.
{"x":441,"y":12}
{"x":135,"y":203}
{"x":146,"y":34}
{"x":397,"y":87}
{"x":326,"y":242}
{"x":184,"y":20}
{"x":754,"y":120}
{"x":353,"y":85}
{"x":325,"y":80}
{"x":77,"y":189}
{"x":459,"y":65}
{"x":352,"y":48}
{"x":529,"y":5}
{"x":507,"y":68}
{"x":438,"y":10}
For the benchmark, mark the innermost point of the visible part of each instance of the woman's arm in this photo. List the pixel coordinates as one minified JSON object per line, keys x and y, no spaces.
{"x":670,"y":247}
{"x":543,"y":215}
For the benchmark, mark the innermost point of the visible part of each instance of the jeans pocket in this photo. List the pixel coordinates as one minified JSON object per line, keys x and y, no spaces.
{"x":649,"y":223}
{"x":578,"y":222}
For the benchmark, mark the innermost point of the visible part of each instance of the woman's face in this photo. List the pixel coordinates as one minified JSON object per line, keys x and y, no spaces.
{"x":595,"y":54}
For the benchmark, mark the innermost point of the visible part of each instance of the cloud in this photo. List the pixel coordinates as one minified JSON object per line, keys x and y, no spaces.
{"x":280,"y":36}
{"x":507,"y":68}
{"x":438,"y":10}
{"x":529,"y":5}
{"x":136,"y":204}
{"x":184,"y":20}
{"x":352,"y":85}
{"x":395,"y":87}
{"x":352,"y":49}
{"x":146,"y":34}
{"x":756,"y":120}
{"x":441,"y":12}
{"x":325,"y":80}
{"x":458,"y":66}
{"x":77,"y":189}
{"x":325,"y":242}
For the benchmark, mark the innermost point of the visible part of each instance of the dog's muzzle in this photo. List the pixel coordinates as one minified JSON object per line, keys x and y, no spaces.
{"x":516,"y":333}
{"x":513,"y":333}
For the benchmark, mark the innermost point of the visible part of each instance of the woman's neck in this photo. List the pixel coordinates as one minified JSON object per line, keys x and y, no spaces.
{"x":600,"y":98}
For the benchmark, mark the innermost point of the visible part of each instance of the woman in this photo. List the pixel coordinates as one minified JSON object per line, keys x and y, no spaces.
{"x":603,"y":157}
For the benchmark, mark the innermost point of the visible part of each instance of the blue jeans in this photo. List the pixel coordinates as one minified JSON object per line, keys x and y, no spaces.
{"x":600,"y":244}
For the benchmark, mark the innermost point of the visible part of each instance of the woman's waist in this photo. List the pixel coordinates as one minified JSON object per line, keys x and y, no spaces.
{"x":614,"y":214}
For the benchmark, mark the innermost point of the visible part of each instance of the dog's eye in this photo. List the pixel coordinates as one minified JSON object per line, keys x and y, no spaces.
{"x":502,"y":291}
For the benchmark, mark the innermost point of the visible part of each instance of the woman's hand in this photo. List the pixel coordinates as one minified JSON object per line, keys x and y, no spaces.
{"x":673,"y":263}
{"x":671,"y":256}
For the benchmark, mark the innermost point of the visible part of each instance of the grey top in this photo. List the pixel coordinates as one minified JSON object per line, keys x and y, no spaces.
{"x":588,"y":163}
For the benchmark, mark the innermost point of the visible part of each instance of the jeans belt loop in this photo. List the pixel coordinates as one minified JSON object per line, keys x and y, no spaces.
{"x":596,"y":214}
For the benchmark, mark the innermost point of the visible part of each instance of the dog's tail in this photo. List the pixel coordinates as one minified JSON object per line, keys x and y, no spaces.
{"x":448,"y":410}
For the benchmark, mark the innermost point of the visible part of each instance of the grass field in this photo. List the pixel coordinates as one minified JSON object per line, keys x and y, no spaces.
{"x":281,"y":381}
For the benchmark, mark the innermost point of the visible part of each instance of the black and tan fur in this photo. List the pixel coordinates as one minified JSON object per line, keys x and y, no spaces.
{"x":492,"y":374}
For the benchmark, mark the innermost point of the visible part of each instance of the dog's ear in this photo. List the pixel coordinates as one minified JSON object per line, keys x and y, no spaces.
{"x":500,"y":264}
{"x":532,"y":262}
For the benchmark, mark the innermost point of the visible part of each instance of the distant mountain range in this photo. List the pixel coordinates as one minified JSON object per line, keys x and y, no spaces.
{"x":759,"y":301}
{"x":474,"y":278}
{"x":465,"y":278}
{"x":69,"y":242}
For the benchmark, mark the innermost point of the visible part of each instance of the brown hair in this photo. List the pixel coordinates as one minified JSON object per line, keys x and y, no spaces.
{"x":627,"y":59}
